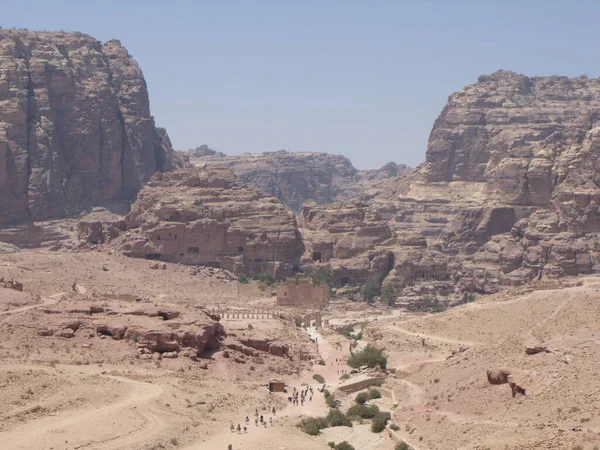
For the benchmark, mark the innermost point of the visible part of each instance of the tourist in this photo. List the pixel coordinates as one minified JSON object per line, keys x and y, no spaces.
{"x":273,"y":410}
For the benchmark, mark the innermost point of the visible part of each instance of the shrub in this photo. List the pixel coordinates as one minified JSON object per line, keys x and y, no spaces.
{"x":394,"y":427}
{"x":374,"y":393}
{"x":313,"y":425}
{"x":361,"y":398}
{"x":243,"y":278}
{"x":330,"y":400}
{"x":344,"y":446}
{"x":370,"y":290}
{"x":322,"y":362}
{"x":359,"y":411}
{"x":345,"y":376}
{"x":322,"y":276}
{"x":379,"y":422}
{"x":265,"y":278}
{"x":402,"y":446}
{"x":319,"y":378}
{"x":336,"y":418}
{"x":346,"y":331}
{"x":370,"y":356}
{"x":388,"y":294}
{"x":331,"y":444}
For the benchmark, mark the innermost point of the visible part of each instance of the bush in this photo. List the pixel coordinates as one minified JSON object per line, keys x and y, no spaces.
{"x":388,"y":294}
{"x":330,"y":400}
{"x":370,"y":356}
{"x":361,"y":398}
{"x":322,"y":276}
{"x":319,"y":378}
{"x":336,"y":418}
{"x":380,"y":421}
{"x":346,"y":331}
{"x":370,"y":290}
{"x":402,"y":446}
{"x":331,"y":444}
{"x":322,"y":362}
{"x":394,"y":427}
{"x":359,"y":411}
{"x":374,"y":393}
{"x":265,"y":278}
{"x":313,"y":425}
{"x":344,"y":446}
{"x":243,"y":278}
{"x":345,"y":376}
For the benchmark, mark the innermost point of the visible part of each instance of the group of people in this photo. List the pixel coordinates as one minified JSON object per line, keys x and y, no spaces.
{"x":304,"y":394}
{"x":257,"y":419}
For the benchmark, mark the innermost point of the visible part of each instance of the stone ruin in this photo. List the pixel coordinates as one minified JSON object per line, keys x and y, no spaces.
{"x":302,"y":295}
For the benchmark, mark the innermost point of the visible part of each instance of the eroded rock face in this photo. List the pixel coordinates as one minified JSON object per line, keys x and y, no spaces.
{"x":296,"y":178}
{"x":204,"y":216}
{"x":497,"y":132}
{"x":350,"y":237}
{"x":293,"y":177}
{"x":75,"y":125}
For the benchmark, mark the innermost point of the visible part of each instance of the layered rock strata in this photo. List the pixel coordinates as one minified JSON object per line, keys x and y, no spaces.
{"x":75,"y":125}
{"x":204,"y":216}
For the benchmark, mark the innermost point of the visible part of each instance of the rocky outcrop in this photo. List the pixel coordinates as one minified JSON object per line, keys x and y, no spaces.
{"x":497,"y":132}
{"x":204,"y":216}
{"x":75,"y":125}
{"x":508,"y":193}
{"x":295,"y":178}
{"x":351,"y":238}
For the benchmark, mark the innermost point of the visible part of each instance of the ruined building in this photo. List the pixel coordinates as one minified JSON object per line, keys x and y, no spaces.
{"x":303,"y":295}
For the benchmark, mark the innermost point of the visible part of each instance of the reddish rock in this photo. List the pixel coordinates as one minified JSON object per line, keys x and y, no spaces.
{"x":75,"y":125}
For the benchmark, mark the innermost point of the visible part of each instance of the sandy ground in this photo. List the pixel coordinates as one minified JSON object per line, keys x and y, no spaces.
{"x":92,"y":392}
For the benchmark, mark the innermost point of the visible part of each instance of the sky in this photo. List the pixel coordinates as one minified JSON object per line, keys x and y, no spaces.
{"x":365,"y":79}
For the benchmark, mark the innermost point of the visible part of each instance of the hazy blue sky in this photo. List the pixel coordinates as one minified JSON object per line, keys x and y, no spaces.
{"x":363,"y":79}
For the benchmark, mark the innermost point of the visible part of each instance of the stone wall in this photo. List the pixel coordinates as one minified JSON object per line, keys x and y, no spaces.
{"x":302,"y":295}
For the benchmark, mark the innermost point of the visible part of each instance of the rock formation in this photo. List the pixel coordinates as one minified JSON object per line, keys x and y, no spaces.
{"x":204,"y":216}
{"x":75,"y":125}
{"x":509,"y":193}
{"x":295,"y":178}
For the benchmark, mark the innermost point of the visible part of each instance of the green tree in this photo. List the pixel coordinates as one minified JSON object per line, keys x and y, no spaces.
{"x":370,"y":290}
{"x":388,"y":294}
{"x":362,"y":398}
{"x":336,"y":418}
{"x":322,"y":276}
{"x":243,"y":278}
{"x":370,"y":356}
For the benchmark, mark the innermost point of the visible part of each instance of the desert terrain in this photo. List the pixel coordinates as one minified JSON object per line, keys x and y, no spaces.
{"x":87,"y":389}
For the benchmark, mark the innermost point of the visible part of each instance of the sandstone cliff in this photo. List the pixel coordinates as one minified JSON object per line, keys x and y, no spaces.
{"x":509,"y":193}
{"x":75,"y":125}
{"x":204,"y":216}
{"x":295,"y":178}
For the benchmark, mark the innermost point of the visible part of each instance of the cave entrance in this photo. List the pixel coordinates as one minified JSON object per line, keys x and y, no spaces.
{"x":316,"y":256}
{"x":155,"y":256}
{"x":345,"y":281}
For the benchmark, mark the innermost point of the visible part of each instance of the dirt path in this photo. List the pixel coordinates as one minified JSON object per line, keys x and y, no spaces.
{"x":90,"y":428}
{"x":258,"y":437}
{"x":46,"y":301}
{"x":432,"y":337}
